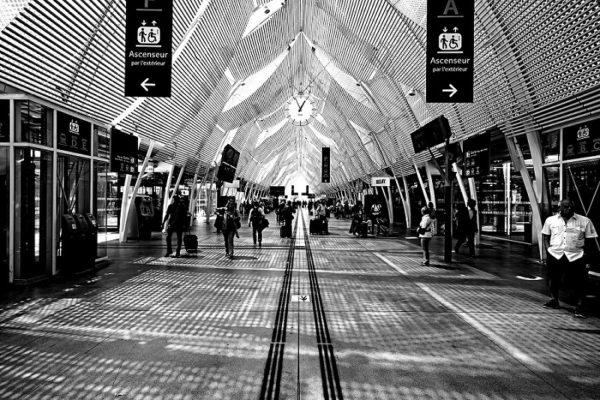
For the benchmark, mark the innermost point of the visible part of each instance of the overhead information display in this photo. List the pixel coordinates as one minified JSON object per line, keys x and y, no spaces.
{"x":450,"y":51}
{"x":148,"y":37}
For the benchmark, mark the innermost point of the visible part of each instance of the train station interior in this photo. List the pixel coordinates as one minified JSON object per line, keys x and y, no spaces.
{"x":140,"y":138}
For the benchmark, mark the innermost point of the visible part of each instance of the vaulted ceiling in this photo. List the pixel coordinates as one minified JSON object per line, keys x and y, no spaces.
{"x":237,"y":64}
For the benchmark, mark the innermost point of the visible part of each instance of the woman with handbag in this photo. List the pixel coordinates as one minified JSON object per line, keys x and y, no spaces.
{"x":425,"y":233}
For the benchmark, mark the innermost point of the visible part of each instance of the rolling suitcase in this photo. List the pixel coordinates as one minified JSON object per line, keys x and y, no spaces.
{"x":190,"y":243}
{"x":363,"y":229}
{"x":283,"y":231}
{"x":314,"y":227}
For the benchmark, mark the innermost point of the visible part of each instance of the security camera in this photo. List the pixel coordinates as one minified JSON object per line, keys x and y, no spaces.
{"x":411,"y":92}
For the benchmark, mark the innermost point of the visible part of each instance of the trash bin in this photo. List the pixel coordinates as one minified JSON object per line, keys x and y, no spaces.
{"x":70,"y":243}
{"x":146,"y":211}
{"x":85,"y":236}
{"x":93,"y":242}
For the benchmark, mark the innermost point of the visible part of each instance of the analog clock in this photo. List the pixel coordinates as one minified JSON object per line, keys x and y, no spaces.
{"x":301,"y":110}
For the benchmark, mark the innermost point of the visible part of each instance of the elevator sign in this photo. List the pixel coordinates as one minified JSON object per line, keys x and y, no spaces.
{"x":148,"y":54}
{"x":450,"y":51}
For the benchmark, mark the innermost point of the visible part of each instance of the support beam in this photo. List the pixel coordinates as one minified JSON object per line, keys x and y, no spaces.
{"x":131,"y":201}
{"x":421,"y":184}
{"x":461,"y":183}
{"x":430,"y":184}
{"x":166,"y":198}
{"x":124,"y":207}
{"x":408,"y":206}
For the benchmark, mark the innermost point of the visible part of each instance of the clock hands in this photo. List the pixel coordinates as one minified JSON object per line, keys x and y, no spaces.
{"x":303,"y":103}
{"x":299,"y":106}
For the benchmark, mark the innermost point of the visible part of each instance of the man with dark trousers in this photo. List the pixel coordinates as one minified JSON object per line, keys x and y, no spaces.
{"x":176,"y":216}
{"x":568,"y":236}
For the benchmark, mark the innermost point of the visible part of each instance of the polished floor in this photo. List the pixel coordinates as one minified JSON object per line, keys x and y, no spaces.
{"x":313,"y":317}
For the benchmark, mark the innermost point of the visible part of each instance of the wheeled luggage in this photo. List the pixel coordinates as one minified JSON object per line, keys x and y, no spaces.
{"x":314,"y":226}
{"x":363,"y":229}
{"x":190,"y":243}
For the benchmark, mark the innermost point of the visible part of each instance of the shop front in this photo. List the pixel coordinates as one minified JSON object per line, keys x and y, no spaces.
{"x":572,"y":168}
{"x":48,"y":166}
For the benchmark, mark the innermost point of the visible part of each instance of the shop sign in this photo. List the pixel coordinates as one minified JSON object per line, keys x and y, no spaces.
{"x":476,"y":156}
{"x":450,"y":34}
{"x":582,"y":140}
{"x":4,"y":120}
{"x":123,"y":152}
{"x":148,"y":48}
{"x":277,"y":191}
{"x":375,"y":181}
{"x":325,"y":165}
{"x":73,"y":134}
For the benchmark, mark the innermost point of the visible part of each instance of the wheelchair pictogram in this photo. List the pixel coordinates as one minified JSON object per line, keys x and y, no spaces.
{"x":148,"y":35}
{"x":450,"y":42}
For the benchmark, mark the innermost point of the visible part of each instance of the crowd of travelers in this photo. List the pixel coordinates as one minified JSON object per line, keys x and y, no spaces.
{"x":569,"y":238}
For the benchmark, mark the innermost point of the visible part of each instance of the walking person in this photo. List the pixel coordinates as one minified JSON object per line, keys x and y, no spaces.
{"x":468,"y":228}
{"x":461,"y":218}
{"x":175,"y":220}
{"x":255,"y":219}
{"x":231,"y":224}
{"x":568,"y":237}
{"x":375,"y":215}
{"x":425,"y":233}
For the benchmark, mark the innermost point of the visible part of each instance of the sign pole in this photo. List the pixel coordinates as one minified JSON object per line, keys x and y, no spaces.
{"x":448,"y":204}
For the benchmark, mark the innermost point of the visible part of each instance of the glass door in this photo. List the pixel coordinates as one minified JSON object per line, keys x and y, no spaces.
{"x":33,"y":213}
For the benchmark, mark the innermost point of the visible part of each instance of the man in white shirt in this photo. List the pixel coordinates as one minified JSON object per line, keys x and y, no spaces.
{"x":567,"y":235}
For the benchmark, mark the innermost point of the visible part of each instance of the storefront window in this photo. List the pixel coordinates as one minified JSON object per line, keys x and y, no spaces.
{"x":551,"y":194}
{"x":33,"y":123}
{"x":582,"y":186}
{"x":73,"y":191}
{"x":4,"y":120}
{"x":33,"y":212}
{"x":101,"y":169}
{"x":101,"y":139}
{"x":4,"y":209}
{"x":504,"y":205}
{"x":550,"y":146}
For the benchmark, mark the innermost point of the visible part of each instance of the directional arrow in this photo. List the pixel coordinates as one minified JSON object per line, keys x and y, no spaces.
{"x":303,"y":298}
{"x":452,"y":90}
{"x":146,"y":84}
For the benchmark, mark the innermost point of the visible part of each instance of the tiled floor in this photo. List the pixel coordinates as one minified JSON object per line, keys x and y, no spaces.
{"x":331,"y":317}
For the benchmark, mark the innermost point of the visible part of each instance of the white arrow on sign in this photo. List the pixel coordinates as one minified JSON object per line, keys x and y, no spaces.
{"x":452,"y":90}
{"x":145,"y":84}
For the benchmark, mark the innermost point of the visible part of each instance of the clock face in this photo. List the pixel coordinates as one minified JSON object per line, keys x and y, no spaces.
{"x":300,"y":110}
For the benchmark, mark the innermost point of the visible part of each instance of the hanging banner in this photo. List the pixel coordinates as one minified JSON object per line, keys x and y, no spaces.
{"x":380,"y":181}
{"x":74,"y":134}
{"x":123,"y":152}
{"x":148,"y":48}
{"x":450,"y":38}
{"x":277,"y":191}
{"x":325,"y":165}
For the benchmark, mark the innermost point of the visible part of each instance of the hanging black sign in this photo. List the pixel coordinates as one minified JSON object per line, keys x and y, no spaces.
{"x":582,"y":140}
{"x":277,"y":191}
{"x":476,"y":156}
{"x":431,"y":134}
{"x":73,"y":134}
{"x":148,"y":53}
{"x":450,"y":35}
{"x":123,"y":152}
{"x":325,"y":168}
{"x":229,"y":160}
